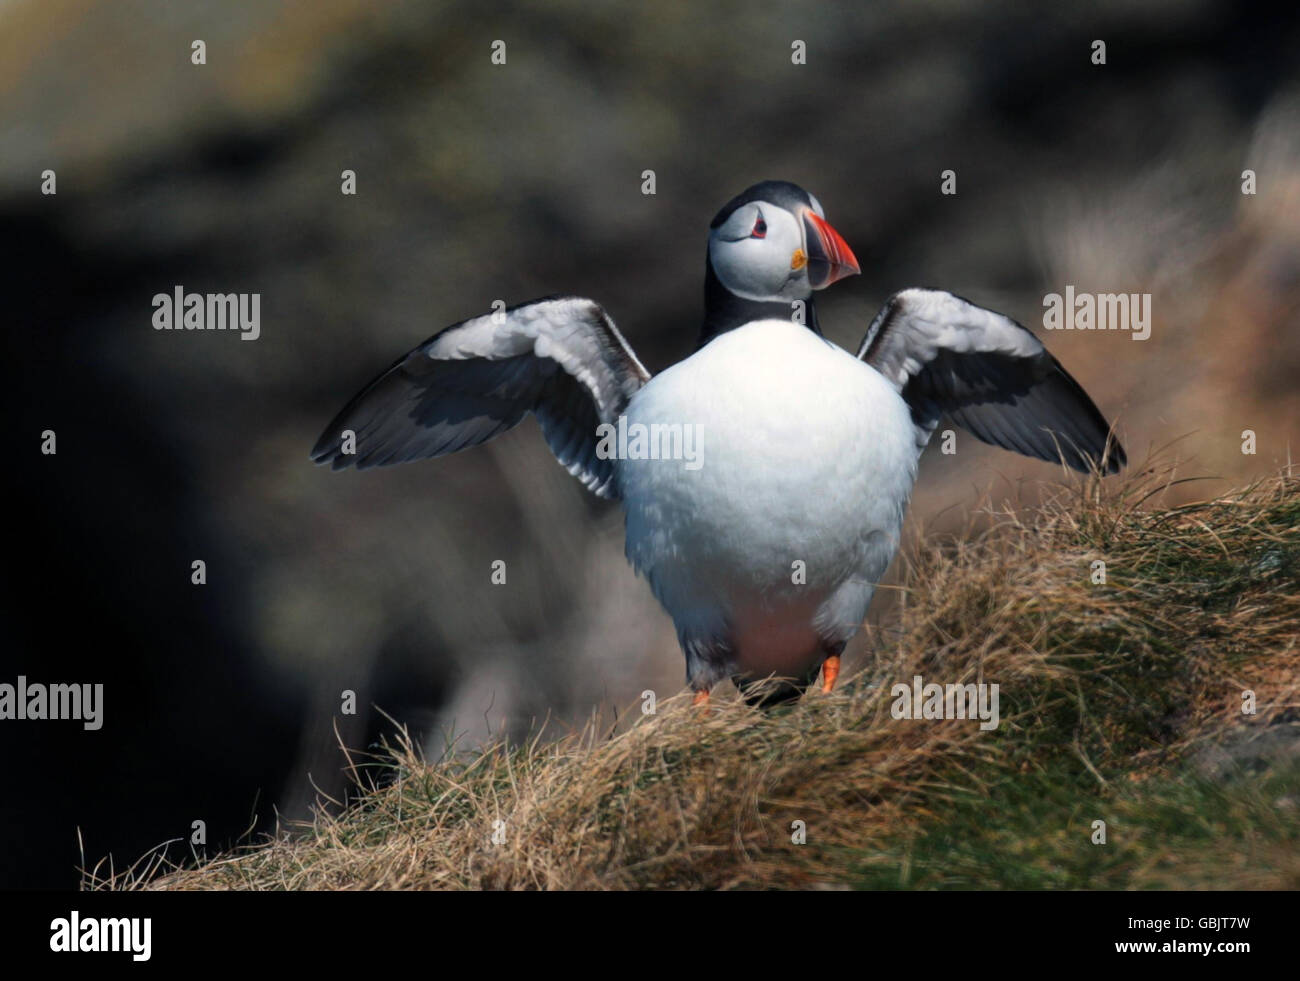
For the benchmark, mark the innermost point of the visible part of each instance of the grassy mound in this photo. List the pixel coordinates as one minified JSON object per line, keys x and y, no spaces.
{"x":1120,"y":702}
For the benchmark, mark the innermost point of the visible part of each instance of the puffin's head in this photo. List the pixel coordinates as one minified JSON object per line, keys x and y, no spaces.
{"x":772,"y":242}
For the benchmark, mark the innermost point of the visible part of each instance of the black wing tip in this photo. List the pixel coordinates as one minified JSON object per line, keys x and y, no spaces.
{"x":324,"y":450}
{"x":1103,"y":453}
{"x":335,"y":461}
{"x":1116,"y":458}
{"x":334,"y":457}
{"x":1104,"y":457}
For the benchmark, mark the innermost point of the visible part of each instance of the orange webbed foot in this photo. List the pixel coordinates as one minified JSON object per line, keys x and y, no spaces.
{"x":830,"y":671}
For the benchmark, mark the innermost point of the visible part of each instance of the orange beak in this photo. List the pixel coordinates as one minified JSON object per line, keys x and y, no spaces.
{"x":829,"y":256}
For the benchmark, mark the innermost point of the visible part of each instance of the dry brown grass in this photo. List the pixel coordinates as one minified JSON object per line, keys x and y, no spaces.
{"x":1110,"y":695}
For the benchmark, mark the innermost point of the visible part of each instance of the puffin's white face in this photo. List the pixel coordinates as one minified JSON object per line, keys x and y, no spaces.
{"x":764,"y":252}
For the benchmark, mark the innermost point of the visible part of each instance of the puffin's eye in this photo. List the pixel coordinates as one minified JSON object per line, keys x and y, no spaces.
{"x":760,"y":228}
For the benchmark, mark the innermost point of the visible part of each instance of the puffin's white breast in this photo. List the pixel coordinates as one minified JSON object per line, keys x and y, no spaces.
{"x":806,"y":455}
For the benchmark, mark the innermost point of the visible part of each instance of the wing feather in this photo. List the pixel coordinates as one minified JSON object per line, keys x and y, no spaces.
{"x":990,"y":375}
{"x":560,"y":358}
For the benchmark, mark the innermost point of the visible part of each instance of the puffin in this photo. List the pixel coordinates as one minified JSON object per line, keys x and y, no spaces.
{"x":765,"y":542}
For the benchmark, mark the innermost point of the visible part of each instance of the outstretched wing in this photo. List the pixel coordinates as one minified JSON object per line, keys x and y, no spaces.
{"x":990,"y":375}
{"x":561,"y":358}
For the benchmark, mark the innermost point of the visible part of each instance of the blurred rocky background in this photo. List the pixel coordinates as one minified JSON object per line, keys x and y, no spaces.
{"x":478,"y":182}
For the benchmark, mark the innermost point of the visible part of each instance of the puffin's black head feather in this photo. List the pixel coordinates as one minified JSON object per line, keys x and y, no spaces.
{"x":781,"y":193}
